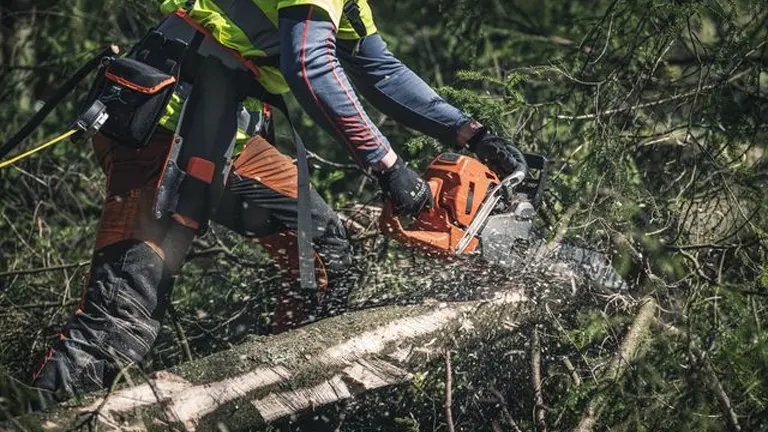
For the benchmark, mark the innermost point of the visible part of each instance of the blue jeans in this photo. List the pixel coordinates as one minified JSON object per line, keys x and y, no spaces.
{"x":318,"y":69}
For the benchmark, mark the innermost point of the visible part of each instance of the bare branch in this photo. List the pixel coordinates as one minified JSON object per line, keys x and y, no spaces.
{"x":539,"y":408}
{"x":449,"y":391}
{"x":44,"y":269}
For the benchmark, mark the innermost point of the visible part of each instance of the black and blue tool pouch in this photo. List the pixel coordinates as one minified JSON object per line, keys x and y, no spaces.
{"x":136,"y":89}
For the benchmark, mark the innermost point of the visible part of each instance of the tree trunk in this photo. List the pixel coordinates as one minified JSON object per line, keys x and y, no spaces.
{"x":274,"y":377}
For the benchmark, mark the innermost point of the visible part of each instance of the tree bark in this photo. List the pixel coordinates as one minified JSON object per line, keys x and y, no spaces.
{"x":274,"y":377}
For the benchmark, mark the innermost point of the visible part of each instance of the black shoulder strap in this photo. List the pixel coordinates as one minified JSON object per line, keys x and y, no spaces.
{"x":304,"y":229}
{"x":352,"y":12}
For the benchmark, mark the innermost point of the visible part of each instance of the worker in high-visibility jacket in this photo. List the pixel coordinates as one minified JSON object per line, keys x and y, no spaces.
{"x":315,"y":49}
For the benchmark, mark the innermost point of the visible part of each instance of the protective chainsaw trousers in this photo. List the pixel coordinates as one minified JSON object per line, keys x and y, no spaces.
{"x":137,"y":255}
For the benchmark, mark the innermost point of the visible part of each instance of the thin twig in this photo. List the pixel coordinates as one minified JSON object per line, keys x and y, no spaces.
{"x":43,"y":269}
{"x":539,"y":409}
{"x":180,"y":334}
{"x":332,"y":164}
{"x":712,"y":380}
{"x":449,"y":392}
{"x":47,"y":304}
{"x":685,"y":95}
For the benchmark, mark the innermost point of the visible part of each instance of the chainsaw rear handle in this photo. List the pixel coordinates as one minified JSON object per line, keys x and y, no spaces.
{"x":465,"y":192}
{"x":440,"y":240}
{"x":391,"y":226}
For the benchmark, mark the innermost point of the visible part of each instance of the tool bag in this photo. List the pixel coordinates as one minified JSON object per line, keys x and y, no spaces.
{"x":135,"y":89}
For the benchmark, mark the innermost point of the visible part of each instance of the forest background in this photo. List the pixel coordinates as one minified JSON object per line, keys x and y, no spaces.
{"x":653,"y":114}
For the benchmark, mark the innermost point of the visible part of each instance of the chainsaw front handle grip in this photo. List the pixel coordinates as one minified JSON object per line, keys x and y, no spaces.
{"x":516,"y":177}
{"x":522,"y":163}
{"x":538,"y":166}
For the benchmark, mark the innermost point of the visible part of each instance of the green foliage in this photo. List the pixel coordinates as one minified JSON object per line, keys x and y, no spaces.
{"x":408,"y":424}
{"x":764,"y":277}
{"x":489,"y":99}
{"x":651,"y":112}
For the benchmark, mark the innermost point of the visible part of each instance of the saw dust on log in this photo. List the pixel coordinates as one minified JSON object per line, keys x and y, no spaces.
{"x":362,"y":376}
{"x":275,"y":377}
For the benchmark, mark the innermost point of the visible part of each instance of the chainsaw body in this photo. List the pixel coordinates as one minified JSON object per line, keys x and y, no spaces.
{"x":468,"y":196}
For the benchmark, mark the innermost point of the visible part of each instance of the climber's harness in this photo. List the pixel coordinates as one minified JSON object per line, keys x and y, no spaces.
{"x":135,"y":89}
{"x":130,"y":95}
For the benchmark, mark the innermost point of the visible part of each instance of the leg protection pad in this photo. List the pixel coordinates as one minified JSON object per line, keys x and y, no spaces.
{"x":261,"y":201}
{"x":115,"y":324}
{"x":132,"y":176}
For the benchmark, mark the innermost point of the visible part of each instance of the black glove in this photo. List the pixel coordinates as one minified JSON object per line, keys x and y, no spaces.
{"x":496,"y":152}
{"x":409,"y":193}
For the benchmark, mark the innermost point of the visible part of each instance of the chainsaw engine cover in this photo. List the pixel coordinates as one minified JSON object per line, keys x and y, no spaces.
{"x":459,"y":185}
{"x":463,"y":184}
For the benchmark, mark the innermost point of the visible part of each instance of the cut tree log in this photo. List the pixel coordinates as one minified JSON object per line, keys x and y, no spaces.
{"x":271,"y":378}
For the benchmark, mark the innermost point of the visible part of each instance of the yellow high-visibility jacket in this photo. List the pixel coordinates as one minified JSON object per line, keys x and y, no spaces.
{"x":250,"y":27}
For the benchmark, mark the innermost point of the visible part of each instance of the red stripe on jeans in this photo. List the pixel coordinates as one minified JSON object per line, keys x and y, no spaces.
{"x":357,"y":133}
{"x":312,"y":91}
{"x":362,"y":118}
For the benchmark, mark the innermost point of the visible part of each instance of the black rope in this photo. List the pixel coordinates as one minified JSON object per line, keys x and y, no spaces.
{"x":56,"y":99}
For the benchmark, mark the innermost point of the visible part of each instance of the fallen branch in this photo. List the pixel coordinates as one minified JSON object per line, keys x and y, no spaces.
{"x":621,"y":360}
{"x":539,"y":409}
{"x":279,"y":377}
{"x":716,"y":387}
{"x":46,"y":305}
{"x":506,"y":416}
{"x":449,"y":392}
{"x":572,"y":370}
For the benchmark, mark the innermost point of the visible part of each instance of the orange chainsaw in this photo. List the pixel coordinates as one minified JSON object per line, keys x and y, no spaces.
{"x":473,"y":207}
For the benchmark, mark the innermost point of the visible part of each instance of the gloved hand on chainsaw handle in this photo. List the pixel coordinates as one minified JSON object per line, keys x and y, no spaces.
{"x":497,"y":153}
{"x":408,"y":192}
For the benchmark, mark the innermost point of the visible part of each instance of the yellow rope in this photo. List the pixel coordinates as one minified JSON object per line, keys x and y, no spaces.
{"x":65,"y":135}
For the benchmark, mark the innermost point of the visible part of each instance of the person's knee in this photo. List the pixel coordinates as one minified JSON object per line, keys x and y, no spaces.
{"x":335,"y":249}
